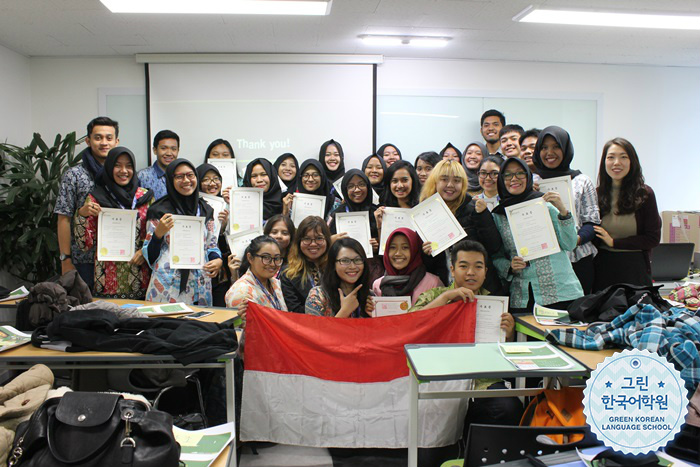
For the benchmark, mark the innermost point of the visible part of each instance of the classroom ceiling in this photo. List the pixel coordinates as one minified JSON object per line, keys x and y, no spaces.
{"x":481,"y":30}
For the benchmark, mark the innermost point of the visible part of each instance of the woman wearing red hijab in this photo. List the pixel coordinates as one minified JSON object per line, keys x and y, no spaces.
{"x":405,"y":271}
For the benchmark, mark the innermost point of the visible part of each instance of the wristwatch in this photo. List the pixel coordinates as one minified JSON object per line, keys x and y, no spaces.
{"x":63,"y":257}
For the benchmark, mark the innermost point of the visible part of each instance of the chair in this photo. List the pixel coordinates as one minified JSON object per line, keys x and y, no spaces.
{"x":492,"y":444}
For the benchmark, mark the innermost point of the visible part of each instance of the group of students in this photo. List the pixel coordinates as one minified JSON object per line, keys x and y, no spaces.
{"x":317,"y":270}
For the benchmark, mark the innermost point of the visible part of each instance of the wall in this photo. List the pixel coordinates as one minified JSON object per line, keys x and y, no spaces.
{"x":65,"y":93}
{"x":656,"y":108}
{"x":15,"y":98}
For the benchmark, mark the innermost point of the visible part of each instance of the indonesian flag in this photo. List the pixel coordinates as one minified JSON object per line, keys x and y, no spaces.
{"x":328,"y":382}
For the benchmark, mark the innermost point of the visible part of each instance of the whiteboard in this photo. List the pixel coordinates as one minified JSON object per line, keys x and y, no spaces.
{"x":419,"y":123}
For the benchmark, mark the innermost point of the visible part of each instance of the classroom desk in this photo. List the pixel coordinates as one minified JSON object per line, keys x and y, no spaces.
{"x":446,"y":362}
{"x":26,"y":356}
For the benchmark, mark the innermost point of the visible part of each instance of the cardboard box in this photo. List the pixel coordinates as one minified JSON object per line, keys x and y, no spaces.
{"x":681,"y":227}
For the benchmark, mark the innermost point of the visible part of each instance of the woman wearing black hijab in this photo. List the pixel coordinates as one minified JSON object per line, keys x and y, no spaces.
{"x":313,"y":181}
{"x":550,"y":280}
{"x":553,"y":155}
{"x":474,"y":153}
{"x":357,"y":196}
{"x":389,"y":153}
{"x":287,"y":167}
{"x":118,"y":188}
{"x":209,"y":179}
{"x":260,"y":173}
{"x":332,"y":158}
{"x":451,"y":152}
{"x":190,"y":286}
{"x":375,"y":168}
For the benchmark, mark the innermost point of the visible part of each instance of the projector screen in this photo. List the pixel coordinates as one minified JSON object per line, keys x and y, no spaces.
{"x":264,"y":110}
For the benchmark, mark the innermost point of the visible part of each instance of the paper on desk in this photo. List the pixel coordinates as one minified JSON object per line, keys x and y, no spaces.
{"x":541,"y":356}
{"x":202,"y":447}
{"x":551,"y":317}
{"x":165,"y":309}
{"x":18,"y":293}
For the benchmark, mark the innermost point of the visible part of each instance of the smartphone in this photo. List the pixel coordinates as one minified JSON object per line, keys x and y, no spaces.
{"x":198,"y":314}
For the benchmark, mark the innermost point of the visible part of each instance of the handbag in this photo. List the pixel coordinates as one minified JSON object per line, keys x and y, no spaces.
{"x":95,"y":429}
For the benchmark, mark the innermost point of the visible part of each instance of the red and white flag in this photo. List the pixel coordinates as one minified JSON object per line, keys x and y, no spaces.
{"x":327,"y":382}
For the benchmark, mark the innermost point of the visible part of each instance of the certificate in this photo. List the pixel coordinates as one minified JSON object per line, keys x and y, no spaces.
{"x":532,"y":228}
{"x":356,"y":225}
{"x":489,"y":309}
{"x":394,"y":218}
{"x":217,"y":204}
{"x":305,"y":205}
{"x":187,"y":243}
{"x":227,"y":169}
{"x":116,"y":234}
{"x":564,"y":187}
{"x":245,"y":211}
{"x":239,"y":243}
{"x":436,"y":224}
{"x":388,"y":306}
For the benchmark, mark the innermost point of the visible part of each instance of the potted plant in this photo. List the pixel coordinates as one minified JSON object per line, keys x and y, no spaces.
{"x":30,"y":178}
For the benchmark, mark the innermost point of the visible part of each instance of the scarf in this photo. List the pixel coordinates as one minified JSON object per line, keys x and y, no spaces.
{"x":323,"y":190}
{"x":272,"y":198}
{"x":349,"y":206}
{"x":508,"y":199}
{"x":473,"y":174}
{"x":562,"y":138}
{"x":332,"y":175}
{"x":90,"y":164}
{"x":378,"y":187}
{"x":450,"y":145}
{"x":202,"y":171}
{"x":108,"y":193}
{"x":292,"y":184}
{"x":402,"y":282}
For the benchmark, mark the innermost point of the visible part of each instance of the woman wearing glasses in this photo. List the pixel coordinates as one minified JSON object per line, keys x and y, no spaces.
{"x":549,"y":280}
{"x":488,"y":171}
{"x":190,"y":286}
{"x":345,"y":287}
{"x":210,"y":183}
{"x":553,"y":155}
{"x":307,"y":257}
{"x":258,"y":284}
{"x":313,"y":181}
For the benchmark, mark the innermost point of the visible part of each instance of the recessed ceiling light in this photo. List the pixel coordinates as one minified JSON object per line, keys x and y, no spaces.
{"x":222,"y":7}
{"x":607,"y":18}
{"x":417,"y":41}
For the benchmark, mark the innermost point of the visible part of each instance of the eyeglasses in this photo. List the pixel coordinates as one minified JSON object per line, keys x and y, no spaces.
{"x":189,"y":176}
{"x":492,"y":175}
{"x":209,"y":181}
{"x":313,"y":175}
{"x":306,"y":241}
{"x":346,"y":261}
{"x":519,"y":175}
{"x":267,"y":259}
{"x":359,"y":186}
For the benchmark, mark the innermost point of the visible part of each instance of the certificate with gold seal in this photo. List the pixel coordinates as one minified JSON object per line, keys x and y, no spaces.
{"x":116,"y":234}
{"x":436,"y":224}
{"x":532,"y":228}
{"x":187,"y":242}
{"x":389,"y":306}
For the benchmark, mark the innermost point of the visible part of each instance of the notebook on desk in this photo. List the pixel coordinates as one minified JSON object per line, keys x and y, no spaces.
{"x":670,"y":263}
